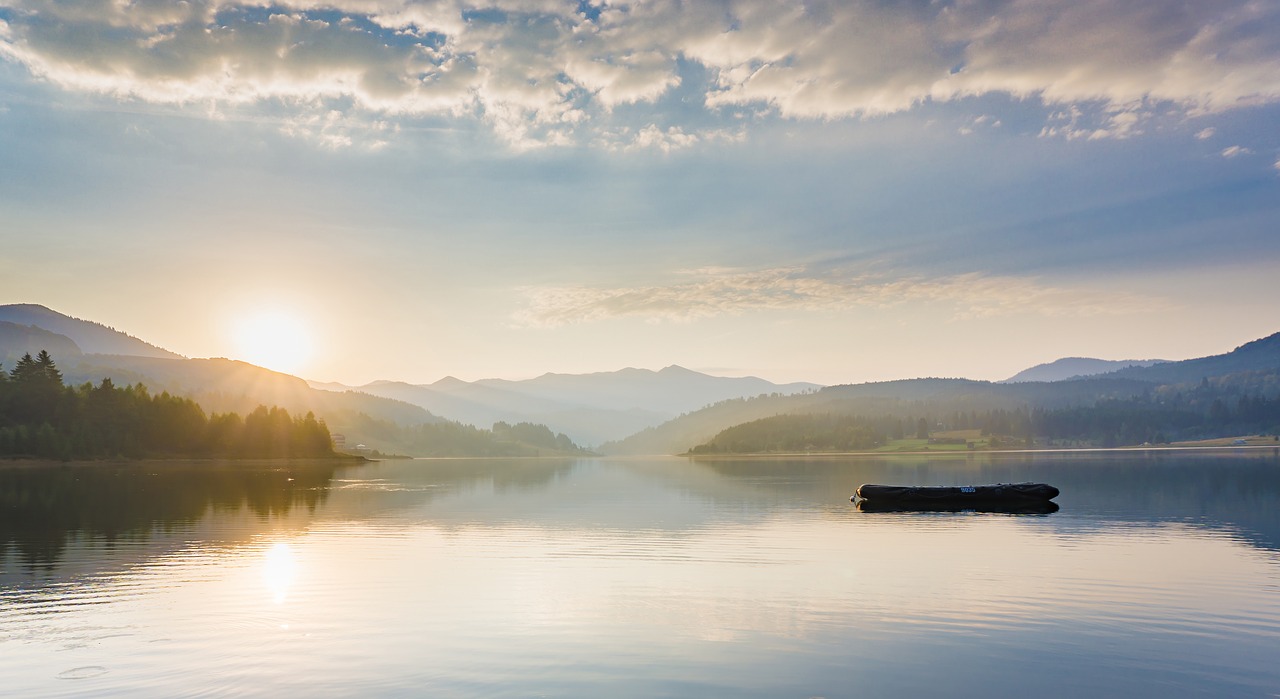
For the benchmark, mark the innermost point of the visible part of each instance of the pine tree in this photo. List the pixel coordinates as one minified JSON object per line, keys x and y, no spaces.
{"x":25,"y":370}
{"x":48,"y":369}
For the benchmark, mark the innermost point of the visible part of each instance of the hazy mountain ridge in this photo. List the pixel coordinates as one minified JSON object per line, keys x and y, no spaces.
{"x":17,"y":340}
{"x":1077,"y":367}
{"x":590,"y":408}
{"x":218,"y":385}
{"x":227,"y":385}
{"x":90,"y":337}
{"x":629,"y":411}
{"x":673,"y":389}
{"x":1253,"y":366}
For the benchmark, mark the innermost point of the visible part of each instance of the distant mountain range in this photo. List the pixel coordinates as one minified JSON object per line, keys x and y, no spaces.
{"x":590,"y":408}
{"x":629,"y":411}
{"x":1076,"y":367}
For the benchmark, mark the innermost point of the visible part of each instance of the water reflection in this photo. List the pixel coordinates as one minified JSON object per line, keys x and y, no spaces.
{"x":43,"y":509}
{"x":1233,"y":491}
{"x":652,"y":577}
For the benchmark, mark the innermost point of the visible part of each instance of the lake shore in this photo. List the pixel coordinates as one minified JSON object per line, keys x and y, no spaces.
{"x":1257,"y":448}
{"x":17,"y":463}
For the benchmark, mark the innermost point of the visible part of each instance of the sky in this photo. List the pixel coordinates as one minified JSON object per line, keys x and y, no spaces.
{"x":834,"y":192}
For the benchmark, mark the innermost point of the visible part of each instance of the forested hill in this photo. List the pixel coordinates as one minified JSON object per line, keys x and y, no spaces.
{"x":88,"y":352}
{"x":1233,"y":393}
{"x":228,"y":385}
{"x":903,"y":399}
{"x":1256,"y":357}
{"x":40,"y":417}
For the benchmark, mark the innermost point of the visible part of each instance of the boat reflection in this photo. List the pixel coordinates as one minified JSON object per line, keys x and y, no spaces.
{"x":1031,"y":507}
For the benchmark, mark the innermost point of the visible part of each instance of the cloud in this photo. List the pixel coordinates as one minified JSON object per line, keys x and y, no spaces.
{"x":1233,"y":151}
{"x":541,"y":71}
{"x":713,"y":292}
{"x":335,"y":130}
{"x":984,"y":120}
{"x":1206,"y":133}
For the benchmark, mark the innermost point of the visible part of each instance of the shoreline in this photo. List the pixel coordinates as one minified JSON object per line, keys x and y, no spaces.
{"x":958,"y":452}
{"x":16,"y":463}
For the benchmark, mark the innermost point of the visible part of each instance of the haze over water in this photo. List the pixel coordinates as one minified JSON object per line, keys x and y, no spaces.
{"x":641,"y":577}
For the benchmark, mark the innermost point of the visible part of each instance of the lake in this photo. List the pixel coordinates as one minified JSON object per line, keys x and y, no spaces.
{"x":646,"y":577}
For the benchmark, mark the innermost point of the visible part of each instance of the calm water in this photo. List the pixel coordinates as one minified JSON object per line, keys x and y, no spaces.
{"x":1159,"y":577}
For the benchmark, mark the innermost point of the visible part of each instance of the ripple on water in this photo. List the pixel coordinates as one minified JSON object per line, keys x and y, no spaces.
{"x":83,"y":673}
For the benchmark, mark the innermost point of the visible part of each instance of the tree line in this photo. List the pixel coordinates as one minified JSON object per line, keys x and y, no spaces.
{"x":1159,"y":416}
{"x":40,"y":417}
{"x":804,"y":432}
{"x":448,"y":438}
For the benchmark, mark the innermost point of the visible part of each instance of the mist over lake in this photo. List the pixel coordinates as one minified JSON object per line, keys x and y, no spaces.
{"x":640,"y":577}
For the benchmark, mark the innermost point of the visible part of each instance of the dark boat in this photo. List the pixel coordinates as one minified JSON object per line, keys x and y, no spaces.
{"x":1004,"y":494}
{"x":1020,"y":507}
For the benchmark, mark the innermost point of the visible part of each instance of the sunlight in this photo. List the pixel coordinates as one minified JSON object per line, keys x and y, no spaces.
{"x":274,"y":339}
{"x":279,"y":570}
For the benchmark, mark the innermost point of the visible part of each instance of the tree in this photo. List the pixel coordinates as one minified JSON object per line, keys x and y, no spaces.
{"x":922,"y":429}
{"x":48,"y":370}
{"x":25,"y":370}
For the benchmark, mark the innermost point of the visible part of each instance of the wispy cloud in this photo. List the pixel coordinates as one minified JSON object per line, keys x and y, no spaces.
{"x":1233,"y":151}
{"x":706,"y":293}
{"x":546,"y":71}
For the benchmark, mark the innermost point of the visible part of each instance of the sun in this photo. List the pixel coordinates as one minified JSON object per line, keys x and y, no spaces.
{"x":274,"y":339}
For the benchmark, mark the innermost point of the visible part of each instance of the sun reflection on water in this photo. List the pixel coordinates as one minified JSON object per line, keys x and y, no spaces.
{"x":279,"y":570}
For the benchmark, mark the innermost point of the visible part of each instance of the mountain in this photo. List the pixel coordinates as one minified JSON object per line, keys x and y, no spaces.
{"x":1075,"y":367}
{"x":903,"y":398}
{"x":672,"y":390}
{"x":1251,"y":368}
{"x":226,"y":385}
{"x":218,"y":385}
{"x":90,"y":337}
{"x":17,"y":340}
{"x":482,"y":406}
{"x":589,"y":408}
{"x":1261,"y":355}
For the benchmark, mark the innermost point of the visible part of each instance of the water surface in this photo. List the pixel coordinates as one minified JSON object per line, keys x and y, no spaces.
{"x":1158,"y":577}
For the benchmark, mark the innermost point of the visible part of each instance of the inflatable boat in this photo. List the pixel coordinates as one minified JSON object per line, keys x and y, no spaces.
{"x":1020,"y":507}
{"x":1005,"y":494}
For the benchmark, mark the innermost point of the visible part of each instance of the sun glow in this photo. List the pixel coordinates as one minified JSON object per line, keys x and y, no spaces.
{"x":274,"y":339}
{"x":279,"y":570}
